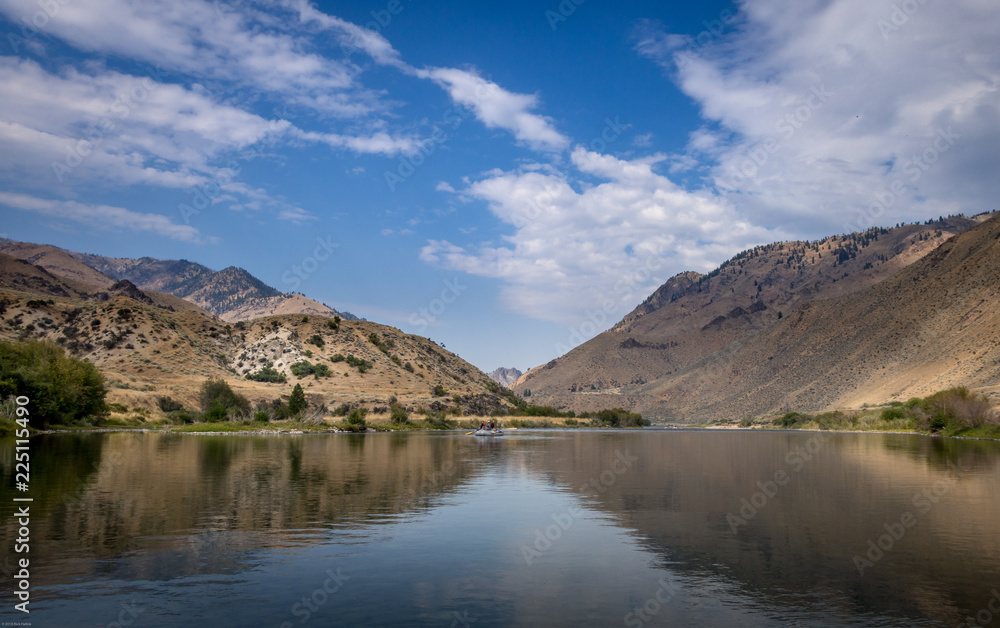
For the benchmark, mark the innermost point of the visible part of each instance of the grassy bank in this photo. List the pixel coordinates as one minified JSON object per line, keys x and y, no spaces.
{"x":954,"y":412}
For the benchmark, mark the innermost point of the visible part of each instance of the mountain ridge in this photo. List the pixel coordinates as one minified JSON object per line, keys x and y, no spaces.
{"x":232,"y":294}
{"x":687,"y":326}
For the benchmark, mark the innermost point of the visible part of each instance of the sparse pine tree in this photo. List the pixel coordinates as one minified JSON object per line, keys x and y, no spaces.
{"x":297,"y":402}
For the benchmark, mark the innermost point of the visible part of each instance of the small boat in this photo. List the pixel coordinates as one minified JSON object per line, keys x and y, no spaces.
{"x":488,"y":432}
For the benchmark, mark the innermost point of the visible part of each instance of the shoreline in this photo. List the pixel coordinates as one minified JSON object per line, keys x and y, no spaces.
{"x":385,"y":430}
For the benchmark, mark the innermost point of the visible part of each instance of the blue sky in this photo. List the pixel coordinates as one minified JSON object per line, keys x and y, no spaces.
{"x":508,"y":178}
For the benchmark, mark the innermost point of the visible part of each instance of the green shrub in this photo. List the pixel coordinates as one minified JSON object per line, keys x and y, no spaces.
{"x":218,"y":400}
{"x":383,"y":346}
{"x":317,"y":340}
{"x":789,"y":419}
{"x":439,"y":391}
{"x":398,"y":414}
{"x":571,"y":421}
{"x":619,"y":417}
{"x":261,"y":416}
{"x":62,"y":389}
{"x":361,"y":365}
{"x":893,"y":414}
{"x":305,"y":367}
{"x":357,"y":417}
{"x":181,"y":416}
{"x":437,"y":420}
{"x":267,"y":374}
{"x":168,"y":404}
{"x":958,"y":408}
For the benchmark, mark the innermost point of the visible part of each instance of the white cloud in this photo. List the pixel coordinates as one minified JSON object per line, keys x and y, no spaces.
{"x":103,"y":217}
{"x":377,"y":143}
{"x":63,"y":129}
{"x":296,"y":215}
{"x":823,"y":116}
{"x":605,"y":247}
{"x":350,"y":36}
{"x":206,"y":39}
{"x":496,"y":107}
{"x":643,"y":141}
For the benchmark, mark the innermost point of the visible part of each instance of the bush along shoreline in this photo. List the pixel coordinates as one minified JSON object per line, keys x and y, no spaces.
{"x":67,"y":393}
{"x":956,"y":412}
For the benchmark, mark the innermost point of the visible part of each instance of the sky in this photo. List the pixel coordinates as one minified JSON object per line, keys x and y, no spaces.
{"x":506,"y":178}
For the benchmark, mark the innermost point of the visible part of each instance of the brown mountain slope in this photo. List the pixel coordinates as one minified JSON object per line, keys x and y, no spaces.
{"x":57,"y":261}
{"x":232,"y":294}
{"x":934,"y":325}
{"x":665,"y":358}
{"x":281,"y":304}
{"x":21,"y":275}
{"x":692,"y":315}
{"x":146,"y":351}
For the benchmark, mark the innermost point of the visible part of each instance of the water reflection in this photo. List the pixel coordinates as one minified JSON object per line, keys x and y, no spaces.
{"x":707,"y":528}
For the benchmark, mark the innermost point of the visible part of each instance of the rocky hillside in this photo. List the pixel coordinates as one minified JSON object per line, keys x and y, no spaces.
{"x":505,"y":376}
{"x":685,"y":353}
{"x":232,"y":294}
{"x":147,"y":350}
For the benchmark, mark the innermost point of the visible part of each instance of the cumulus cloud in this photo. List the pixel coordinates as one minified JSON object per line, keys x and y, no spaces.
{"x":820,"y":116}
{"x":578,"y":248}
{"x":829,"y":116}
{"x":104,"y":217}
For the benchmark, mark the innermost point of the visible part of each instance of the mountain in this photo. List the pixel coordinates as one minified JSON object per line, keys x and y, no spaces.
{"x":20,"y":275}
{"x":232,"y":294}
{"x":147,"y":350}
{"x":862,"y":318}
{"x":505,"y":376}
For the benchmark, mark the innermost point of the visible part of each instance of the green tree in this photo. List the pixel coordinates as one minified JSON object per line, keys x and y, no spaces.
{"x":61,"y":388}
{"x":297,"y":402}
{"x":218,"y":400}
{"x":398,"y":414}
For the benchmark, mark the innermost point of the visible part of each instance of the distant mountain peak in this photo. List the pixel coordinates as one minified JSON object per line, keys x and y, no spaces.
{"x":505,"y":376}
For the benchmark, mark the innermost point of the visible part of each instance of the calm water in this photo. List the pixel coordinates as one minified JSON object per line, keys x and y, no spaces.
{"x":658,"y":528}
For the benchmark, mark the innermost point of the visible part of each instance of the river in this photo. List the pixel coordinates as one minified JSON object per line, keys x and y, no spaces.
{"x":559,"y":528}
